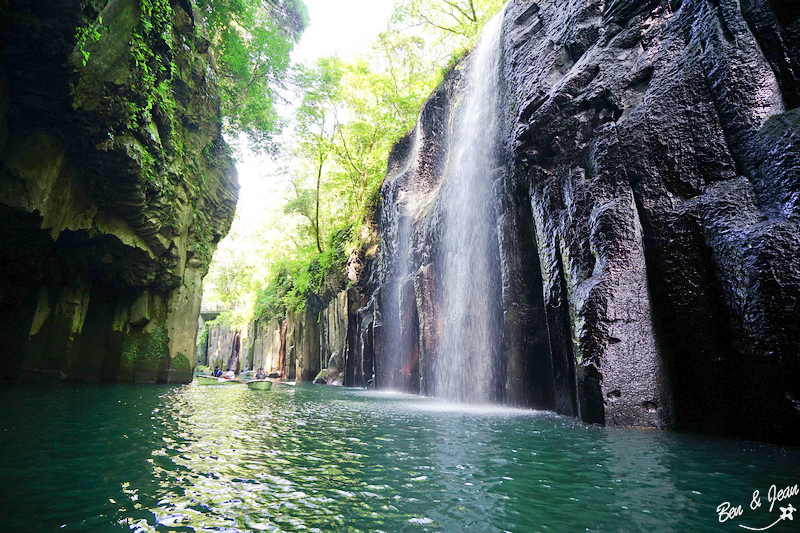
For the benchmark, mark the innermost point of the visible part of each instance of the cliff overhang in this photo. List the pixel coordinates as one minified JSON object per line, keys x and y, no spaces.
{"x":115,"y":186}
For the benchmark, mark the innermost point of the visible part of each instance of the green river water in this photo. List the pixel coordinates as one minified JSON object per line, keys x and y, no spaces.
{"x":315,"y":458}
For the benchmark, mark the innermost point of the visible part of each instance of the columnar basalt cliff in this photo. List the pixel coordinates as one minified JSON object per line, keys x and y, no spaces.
{"x":645,"y":217}
{"x":115,"y":187}
{"x":330,"y":341}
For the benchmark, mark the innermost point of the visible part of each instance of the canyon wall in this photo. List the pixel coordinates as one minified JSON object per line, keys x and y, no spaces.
{"x":222,"y":343}
{"x":333,"y":343}
{"x":115,"y":186}
{"x":644,"y":216}
{"x":267,"y":342}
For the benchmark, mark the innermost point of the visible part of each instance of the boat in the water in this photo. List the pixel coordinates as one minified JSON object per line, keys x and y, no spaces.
{"x":211,"y":380}
{"x":259,"y":384}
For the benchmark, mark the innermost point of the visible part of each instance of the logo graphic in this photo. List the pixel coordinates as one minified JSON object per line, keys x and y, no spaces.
{"x":726,"y":511}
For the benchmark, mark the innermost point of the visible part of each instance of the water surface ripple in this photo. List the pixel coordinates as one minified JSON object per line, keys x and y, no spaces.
{"x":313,"y":458}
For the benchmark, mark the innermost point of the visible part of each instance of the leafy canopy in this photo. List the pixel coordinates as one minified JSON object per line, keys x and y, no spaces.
{"x":251,"y":41}
{"x":450,"y":27}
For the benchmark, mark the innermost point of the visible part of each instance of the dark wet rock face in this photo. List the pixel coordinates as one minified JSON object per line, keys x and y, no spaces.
{"x":115,"y":186}
{"x":647,"y":214}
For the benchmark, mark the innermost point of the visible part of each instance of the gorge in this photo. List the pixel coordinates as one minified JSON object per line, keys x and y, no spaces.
{"x":596,"y":215}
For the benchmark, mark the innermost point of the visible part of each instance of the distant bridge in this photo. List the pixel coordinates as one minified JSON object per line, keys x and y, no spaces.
{"x":210,"y":312}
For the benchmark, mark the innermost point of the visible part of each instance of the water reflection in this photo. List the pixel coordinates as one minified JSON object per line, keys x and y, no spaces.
{"x":306,"y":458}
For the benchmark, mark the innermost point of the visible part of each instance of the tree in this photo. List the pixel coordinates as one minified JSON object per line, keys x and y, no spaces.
{"x":451,"y":27}
{"x":405,"y":62}
{"x":350,"y":114}
{"x":251,"y":41}
{"x":369,"y":122}
{"x":315,"y":130}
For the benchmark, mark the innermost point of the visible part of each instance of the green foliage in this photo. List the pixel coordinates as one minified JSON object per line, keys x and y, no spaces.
{"x":146,"y":351}
{"x":274,"y":299}
{"x":225,"y":318}
{"x":202,"y":338}
{"x":84,"y":35}
{"x":152,"y":49}
{"x":181,"y":363}
{"x":350,"y":116}
{"x":251,"y":41}
{"x":351,"y":112}
{"x":450,"y":26}
{"x":315,"y":132}
{"x":300,"y":284}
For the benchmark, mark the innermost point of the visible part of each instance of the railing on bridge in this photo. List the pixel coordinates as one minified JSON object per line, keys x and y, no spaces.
{"x":210,"y":312}
{"x":214,"y":308}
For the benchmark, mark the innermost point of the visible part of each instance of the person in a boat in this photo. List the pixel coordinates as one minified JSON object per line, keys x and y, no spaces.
{"x":228,"y":375}
{"x":261,"y":374}
{"x":217,"y":372}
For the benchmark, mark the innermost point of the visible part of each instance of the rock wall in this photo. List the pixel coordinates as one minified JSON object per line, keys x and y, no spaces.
{"x":115,"y":186}
{"x":337,"y":340}
{"x":290,"y":347}
{"x":302,"y":345}
{"x":333,"y":334}
{"x":342,"y":346}
{"x":220,"y":346}
{"x":269,"y":350}
{"x":647,"y":217}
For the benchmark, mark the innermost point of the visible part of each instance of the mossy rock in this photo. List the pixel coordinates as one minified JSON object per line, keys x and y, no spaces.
{"x":179,"y":371}
{"x":145,"y":355}
{"x":180,"y":363}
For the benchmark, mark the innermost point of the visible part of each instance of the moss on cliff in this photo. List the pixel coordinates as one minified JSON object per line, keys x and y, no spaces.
{"x":145,"y":354}
{"x":180,"y":363}
{"x":145,"y":91}
{"x":116,"y":183}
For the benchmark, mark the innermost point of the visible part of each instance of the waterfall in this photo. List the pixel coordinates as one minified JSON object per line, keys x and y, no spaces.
{"x":466,"y":368}
{"x":233,"y":362}
{"x":396,"y":366}
{"x":399,"y":339}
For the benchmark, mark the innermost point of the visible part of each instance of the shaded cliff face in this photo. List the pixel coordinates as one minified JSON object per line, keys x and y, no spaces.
{"x":115,"y":187}
{"x":647,"y":215}
{"x":336,"y":340}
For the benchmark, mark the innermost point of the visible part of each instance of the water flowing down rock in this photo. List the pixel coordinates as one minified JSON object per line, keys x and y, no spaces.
{"x":466,"y":364}
{"x":623,"y":246}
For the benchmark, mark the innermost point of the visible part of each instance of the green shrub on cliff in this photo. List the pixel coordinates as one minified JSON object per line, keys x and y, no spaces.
{"x":310,"y":282}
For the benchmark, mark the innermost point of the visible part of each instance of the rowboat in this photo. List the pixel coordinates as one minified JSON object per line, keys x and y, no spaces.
{"x":211,"y":380}
{"x":259,"y":384}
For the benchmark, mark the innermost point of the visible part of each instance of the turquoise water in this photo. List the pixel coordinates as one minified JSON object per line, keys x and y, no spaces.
{"x":315,"y":458}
